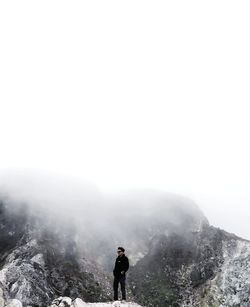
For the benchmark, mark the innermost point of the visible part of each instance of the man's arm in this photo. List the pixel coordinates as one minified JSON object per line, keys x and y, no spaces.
{"x":125,"y":266}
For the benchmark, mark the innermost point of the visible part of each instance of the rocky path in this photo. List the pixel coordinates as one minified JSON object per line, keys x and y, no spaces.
{"x":67,"y":302}
{"x":114,"y":304}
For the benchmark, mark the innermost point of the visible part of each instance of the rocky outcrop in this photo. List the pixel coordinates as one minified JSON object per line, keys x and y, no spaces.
{"x":14,"y":303}
{"x":68,"y":302}
{"x":230,"y":287}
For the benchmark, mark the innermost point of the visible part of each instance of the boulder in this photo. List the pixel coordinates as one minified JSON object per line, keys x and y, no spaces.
{"x":79,"y":303}
{"x":1,"y":302}
{"x":14,"y":303}
{"x":62,"y":301}
{"x":65,"y":302}
{"x":56,"y":301}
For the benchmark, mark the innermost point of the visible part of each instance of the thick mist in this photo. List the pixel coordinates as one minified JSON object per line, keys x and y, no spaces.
{"x":95,"y":222}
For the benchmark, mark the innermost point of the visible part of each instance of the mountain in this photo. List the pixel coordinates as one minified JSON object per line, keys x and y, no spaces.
{"x":177,"y":258}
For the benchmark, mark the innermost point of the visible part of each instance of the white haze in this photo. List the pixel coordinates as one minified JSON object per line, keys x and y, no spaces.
{"x":78,"y":212}
{"x":134,"y":94}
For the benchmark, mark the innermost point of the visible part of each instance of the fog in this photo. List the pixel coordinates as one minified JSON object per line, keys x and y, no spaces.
{"x":127,"y":96}
{"x":69,"y":198}
{"x":78,"y":213}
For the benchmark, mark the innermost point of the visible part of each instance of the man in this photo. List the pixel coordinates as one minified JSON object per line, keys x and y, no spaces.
{"x":120,"y":269}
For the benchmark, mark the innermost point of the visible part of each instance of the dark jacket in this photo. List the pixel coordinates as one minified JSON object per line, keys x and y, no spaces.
{"x":121,"y":264}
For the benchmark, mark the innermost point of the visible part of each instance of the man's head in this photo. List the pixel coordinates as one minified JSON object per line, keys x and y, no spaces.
{"x":120,"y":251}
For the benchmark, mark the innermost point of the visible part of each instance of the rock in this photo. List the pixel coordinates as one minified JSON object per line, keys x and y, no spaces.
{"x":1,"y":292}
{"x":38,"y":258}
{"x":14,"y":303}
{"x":65,"y":302}
{"x":57,"y":301}
{"x":79,"y":303}
{"x":1,"y":302}
{"x":62,"y":301}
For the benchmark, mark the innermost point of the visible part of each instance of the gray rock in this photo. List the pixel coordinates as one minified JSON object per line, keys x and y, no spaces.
{"x":1,"y":302}
{"x":65,"y":302}
{"x":79,"y":303}
{"x":14,"y":303}
{"x":56,"y":301}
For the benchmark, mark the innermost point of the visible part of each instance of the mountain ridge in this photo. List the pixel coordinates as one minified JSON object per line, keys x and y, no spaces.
{"x":177,"y":257}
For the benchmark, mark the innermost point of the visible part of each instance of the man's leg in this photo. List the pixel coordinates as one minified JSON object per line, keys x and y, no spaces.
{"x":115,"y":286}
{"x":123,"y":282}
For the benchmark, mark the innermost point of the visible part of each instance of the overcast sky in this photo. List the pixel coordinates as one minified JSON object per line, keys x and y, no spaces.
{"x":132,"y":94}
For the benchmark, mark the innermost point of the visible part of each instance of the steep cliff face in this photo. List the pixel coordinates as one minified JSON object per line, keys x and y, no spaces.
{"x":230,"y":286}
{"x":204,"y":268}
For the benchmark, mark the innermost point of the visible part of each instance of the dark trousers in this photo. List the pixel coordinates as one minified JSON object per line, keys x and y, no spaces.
{"x":122,"y":281}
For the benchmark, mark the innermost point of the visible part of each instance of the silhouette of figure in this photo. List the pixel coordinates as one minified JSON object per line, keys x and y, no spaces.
{"x":120,"y":269}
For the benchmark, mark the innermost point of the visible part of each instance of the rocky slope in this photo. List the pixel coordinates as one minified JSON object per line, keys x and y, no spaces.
{"x":68,"y":302}
{"x":177,"y":258}
{"x":39,"y":260}
{"x":206,"y":268}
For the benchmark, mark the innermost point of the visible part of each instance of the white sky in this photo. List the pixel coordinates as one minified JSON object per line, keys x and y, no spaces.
{"x":131,"y":94}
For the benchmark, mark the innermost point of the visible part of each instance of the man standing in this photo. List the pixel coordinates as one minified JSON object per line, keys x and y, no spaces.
{"x":120,"y":269}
